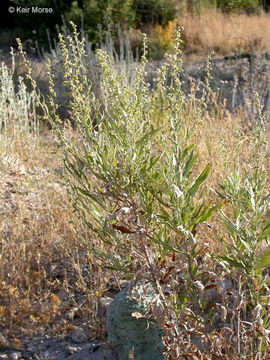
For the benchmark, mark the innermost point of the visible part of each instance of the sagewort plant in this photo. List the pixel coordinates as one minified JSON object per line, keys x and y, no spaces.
{"x":18,"y":118}
{"x":131,"y":175}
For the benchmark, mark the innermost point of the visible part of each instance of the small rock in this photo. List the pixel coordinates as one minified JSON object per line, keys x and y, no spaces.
{"x":78,"y":335}
{"x":14,"y":356}
{"x":46,"y":354}
{"x":103,"y":304}
{"x":3,"y":357}
{"x":3,"y":341}
{"x":70,"y":314}
{"x":72,"y":349}
{"x":104,"y":352}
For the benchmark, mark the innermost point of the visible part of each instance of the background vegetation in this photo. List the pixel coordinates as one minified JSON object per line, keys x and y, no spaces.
{"x":126,"y":14}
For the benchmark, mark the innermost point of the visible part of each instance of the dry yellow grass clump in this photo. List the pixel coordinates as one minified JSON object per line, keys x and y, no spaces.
{"x":223,"y":33}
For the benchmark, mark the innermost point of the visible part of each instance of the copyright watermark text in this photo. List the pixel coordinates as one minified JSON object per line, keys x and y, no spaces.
{"x":29,"y":10}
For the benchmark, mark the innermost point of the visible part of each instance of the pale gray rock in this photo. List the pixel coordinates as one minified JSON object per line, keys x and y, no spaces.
{"x":72,"y":349}
{"x":103,"y":304}
{"x":3,"y":356}
{"x":14,"y":355}
{"x":78,"y":335}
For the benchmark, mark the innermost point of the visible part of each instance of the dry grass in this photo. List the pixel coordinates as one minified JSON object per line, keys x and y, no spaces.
{"x":48,"y":282}
{"x":225,"y":34}
{"x":210,"y":30}
{"x":213,"y":138}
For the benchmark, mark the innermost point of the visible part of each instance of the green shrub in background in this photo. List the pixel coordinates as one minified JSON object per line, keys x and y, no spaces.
{"x":196,"y":6}
{"x":95,"y":14}
{"x":123,"y":13}
{"x":112,"y":14}
{"x":101,"y":13}
{"x":154,"y":11}
{"x":233,"y":5}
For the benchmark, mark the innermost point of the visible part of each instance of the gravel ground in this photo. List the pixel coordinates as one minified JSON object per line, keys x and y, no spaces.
{"x":234,"y":79}
{"x":58,"y":349}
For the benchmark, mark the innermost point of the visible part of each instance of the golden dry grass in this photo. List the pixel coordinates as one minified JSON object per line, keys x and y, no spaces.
{"x":216,"y":141}
{"x":48,"y":282}
{"x":213,"y":30}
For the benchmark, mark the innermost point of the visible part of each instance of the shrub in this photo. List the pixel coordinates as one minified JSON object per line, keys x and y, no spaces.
{"x":196,"y":6}
{"x":144,"y":200}
{"x":154,"y":12}
{"x":232,"y":5}
{"x":101,"y":13}
{"x":133,"y":179}
{"x":163,"y":39}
